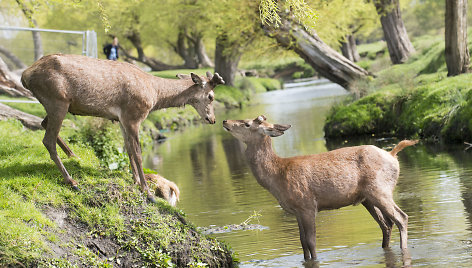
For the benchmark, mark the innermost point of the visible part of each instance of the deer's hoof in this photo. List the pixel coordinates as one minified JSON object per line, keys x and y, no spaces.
{"x":75,"y":188}
{"x":151,"y":199}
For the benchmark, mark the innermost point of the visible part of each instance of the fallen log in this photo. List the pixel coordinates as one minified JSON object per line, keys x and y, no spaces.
{"x":28,"y":120}
{"x":10,"y":83}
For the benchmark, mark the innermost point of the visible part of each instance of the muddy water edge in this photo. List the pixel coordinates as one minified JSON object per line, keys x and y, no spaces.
{"x":218,"y":189}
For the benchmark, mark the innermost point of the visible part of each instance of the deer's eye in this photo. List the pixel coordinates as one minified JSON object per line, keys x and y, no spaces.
{"x":247,"y":124}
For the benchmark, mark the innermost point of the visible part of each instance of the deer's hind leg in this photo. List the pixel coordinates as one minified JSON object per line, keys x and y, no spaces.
{"x":306,"y":223}
{"x":384,"y":222}
{"x":53,"y":125}
{"x":60,"y":141}
{"x":132,"y":162}
{"x":391,"y":211}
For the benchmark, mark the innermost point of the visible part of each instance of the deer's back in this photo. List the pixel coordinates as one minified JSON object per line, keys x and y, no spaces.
{"x":340,"y":177}
{"x":87,"y":84}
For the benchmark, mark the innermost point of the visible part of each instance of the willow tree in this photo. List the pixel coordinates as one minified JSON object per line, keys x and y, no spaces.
{"x":457,"y":53}
{"x":300,"y":34}
{"x":236,"y":25}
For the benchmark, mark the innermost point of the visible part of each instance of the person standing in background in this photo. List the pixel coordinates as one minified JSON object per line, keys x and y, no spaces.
{"x":111,"y":50}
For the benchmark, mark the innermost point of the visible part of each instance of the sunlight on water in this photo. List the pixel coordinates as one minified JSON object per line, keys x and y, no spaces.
{"x":218,"y":189}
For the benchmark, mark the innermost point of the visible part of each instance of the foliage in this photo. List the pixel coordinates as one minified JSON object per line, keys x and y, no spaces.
{"x":232,"y":97}
{"x":424,"y":17}
{"x":105,"y":139}
{"x":174,"y":118}
{"x":269,"y":12}
{"x":258,"y":84}
{"x":339,"y":18}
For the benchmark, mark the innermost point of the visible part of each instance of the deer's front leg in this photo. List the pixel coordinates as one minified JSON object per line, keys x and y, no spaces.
{"x":308,"y":222}
{"x":134,"y":153}
{"x":306,"y":251}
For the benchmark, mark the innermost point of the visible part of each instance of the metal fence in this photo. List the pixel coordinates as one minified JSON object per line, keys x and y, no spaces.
{"x":19,"y":41}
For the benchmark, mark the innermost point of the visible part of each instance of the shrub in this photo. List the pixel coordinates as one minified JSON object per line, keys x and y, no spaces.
{"x":105,"y":139}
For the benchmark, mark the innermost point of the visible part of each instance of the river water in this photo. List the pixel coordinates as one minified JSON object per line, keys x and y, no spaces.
{"x":218,"y":189}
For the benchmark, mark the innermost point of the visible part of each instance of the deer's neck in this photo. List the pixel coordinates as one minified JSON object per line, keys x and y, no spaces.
{"x":172,"y":93}
{"x":264,"y":162}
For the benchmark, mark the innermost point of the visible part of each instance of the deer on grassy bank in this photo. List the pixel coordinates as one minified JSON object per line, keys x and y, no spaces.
{"x":114,"y":90}
{"x":304,"y":185}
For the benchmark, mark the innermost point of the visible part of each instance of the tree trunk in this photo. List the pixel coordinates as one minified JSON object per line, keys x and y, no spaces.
{"x":349,"y":49}
{"x":203,"y":57}
{"x":186,"y":49}
{"x":191,"y":49}
{"x":227,"y":56}
{"x":398,"y":43}
{"x":18,"y":64}
{"x":38,"y":45}
{"x":457,"y":53}
{"x":324,"y":59}
{"x":28,"y":120}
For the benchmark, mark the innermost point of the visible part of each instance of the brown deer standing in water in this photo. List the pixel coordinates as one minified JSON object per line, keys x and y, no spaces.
{"x":304,"y":185}
{"x":110,"y":89}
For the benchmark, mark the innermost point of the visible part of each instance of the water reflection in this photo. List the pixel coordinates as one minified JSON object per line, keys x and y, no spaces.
{"x":217,"y":188}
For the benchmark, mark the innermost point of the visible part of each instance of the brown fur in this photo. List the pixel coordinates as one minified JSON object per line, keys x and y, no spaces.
{"x":163,"y":188}
{"x":304,"y":185}
{"x":114,"y":90}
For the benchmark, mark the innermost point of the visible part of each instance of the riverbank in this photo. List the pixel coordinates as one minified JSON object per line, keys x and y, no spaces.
{"x":413,"y":100}
{"x":108,"y":223}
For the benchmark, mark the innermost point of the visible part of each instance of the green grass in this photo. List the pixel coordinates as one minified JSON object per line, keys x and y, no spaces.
{"x":108,"y":210}
{"x":415,"y":99}
{"x":371,"y":50}
{"x":172,"y":73}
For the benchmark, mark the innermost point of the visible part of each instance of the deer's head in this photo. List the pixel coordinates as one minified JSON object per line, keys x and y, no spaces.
{"x":253,"y":130}
{"x":203,"y":96}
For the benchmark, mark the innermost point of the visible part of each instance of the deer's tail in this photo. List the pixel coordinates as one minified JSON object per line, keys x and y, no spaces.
{"x":175,"y":191}
{"x":400,"y":146}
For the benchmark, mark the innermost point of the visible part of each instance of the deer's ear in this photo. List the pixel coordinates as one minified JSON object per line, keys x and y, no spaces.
{"x":209,"y":75}
{"x":272,"y":132}
{"x":196,"y":79}
{"x":282,"y":127}
{"x":182,"y":76}
{"x":217,"y":79}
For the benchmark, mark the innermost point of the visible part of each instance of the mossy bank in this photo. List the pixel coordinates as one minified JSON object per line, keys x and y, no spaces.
{"x":413,"y":100}
{"x":108,"y":223}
